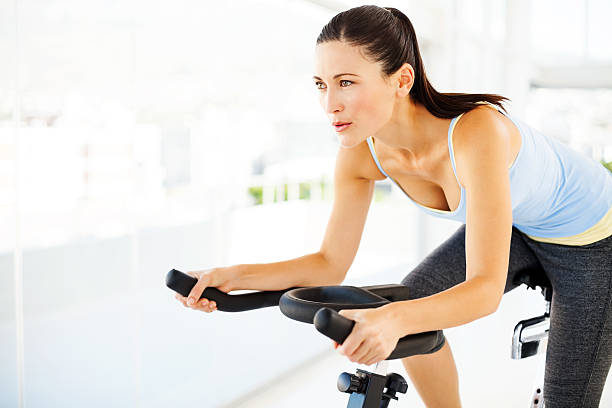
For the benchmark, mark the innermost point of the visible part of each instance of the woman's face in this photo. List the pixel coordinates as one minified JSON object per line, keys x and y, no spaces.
{"x":352,"y":90}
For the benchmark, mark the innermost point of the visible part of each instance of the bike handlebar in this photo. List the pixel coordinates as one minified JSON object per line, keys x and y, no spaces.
{"x":182,"y":283}
{"x":337,"y":327}
{"x":318,"y":305}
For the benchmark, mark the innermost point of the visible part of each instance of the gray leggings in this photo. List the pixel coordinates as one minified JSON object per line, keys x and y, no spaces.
{"x":579,"y":349}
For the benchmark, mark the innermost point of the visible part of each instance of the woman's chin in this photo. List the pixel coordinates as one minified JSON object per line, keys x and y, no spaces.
{"x":347,"y":141}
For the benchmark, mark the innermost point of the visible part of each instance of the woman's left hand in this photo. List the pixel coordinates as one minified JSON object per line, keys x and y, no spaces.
{"x":373,"y":338}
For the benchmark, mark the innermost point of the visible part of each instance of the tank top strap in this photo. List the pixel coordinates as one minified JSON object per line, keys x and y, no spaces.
{"x":451,"y":128}
{"x":375,"y":157}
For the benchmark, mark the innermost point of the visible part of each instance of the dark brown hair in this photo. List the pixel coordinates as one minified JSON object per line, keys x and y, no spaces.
{"x":387,"y":37}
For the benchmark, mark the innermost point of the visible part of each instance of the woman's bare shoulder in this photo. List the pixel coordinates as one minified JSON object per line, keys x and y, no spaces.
{"x":484,"y":119}
{"x":481,"y":127}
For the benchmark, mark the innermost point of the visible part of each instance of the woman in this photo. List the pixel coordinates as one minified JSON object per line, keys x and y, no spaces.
{"x":525,"y":200}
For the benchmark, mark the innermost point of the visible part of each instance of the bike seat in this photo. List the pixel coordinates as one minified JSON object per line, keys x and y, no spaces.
{"x":533,"y":277}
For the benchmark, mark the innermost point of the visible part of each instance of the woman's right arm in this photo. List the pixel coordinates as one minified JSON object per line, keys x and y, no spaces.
{"x":352,"y":196}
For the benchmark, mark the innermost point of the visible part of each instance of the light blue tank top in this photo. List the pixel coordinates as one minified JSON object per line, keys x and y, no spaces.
{"x":555,"y":191}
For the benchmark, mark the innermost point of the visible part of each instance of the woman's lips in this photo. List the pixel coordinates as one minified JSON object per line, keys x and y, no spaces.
{"x":340,"y":128}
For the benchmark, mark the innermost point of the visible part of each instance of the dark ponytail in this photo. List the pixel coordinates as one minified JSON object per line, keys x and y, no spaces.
{"x":388,"y":37}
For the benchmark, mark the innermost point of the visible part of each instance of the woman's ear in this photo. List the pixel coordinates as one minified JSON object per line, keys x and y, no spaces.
{"x":405,"y":79}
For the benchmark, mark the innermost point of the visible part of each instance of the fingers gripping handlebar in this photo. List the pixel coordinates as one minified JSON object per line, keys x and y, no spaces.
{"x":182,"y":283}
{"x":318,"y":305}
{"x":337,"y":327}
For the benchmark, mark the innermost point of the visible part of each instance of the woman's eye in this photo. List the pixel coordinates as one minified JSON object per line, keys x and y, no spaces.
{"x":343,"y":83}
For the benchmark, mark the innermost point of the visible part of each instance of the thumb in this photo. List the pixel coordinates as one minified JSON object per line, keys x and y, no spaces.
{"x":197,"y":290}
{"x":349,"y":313}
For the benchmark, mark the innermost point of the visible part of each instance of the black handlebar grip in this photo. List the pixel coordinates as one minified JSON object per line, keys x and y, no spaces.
{"x":182,"y":283}
{"x":418,"y":343}
{"x":333,"y":324}
{"x":337,"y":327}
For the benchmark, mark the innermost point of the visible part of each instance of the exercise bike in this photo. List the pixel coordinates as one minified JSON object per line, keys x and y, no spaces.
{"x":320,"y":306}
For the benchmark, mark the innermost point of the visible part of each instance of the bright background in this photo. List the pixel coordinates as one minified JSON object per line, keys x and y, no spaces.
{"x":139,"y":136}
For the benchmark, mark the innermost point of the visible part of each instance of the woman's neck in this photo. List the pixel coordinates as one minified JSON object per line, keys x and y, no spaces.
{"x":415,"y":133}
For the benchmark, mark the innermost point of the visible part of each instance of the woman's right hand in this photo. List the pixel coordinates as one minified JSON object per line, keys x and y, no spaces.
{"x":219,"y":278}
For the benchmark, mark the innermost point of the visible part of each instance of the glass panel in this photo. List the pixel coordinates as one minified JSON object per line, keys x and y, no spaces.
{"x":8,"y":339}
{"x":128,"y":131}
{"x":76,"y":173}
{"x":8,"y":343}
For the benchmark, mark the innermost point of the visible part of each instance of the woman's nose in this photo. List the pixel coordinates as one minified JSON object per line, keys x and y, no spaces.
{"x":331,"y":104}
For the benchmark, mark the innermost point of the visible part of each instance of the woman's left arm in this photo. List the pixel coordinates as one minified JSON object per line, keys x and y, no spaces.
{"x":482,"y":153}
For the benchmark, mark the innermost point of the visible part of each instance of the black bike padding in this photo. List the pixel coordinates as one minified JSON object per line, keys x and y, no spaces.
{"x":302,"y":303}
{"x":182,"y":283}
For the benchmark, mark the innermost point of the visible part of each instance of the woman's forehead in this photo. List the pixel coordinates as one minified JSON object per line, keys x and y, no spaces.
{"x":334,"y":57}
